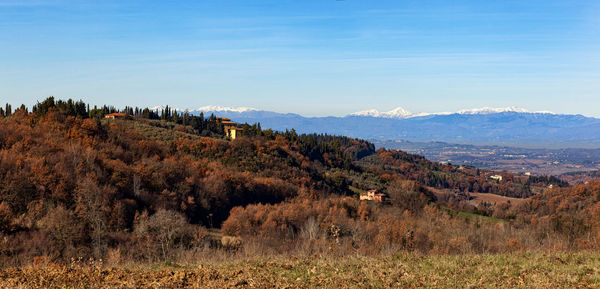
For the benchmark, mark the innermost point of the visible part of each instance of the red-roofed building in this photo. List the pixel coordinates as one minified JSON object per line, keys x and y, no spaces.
{"x":115,"y":115}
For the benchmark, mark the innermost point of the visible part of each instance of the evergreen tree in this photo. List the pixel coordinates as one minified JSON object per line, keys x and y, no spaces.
{"x":175,"y":116}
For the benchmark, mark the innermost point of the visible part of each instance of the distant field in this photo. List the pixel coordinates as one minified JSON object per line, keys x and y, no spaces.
{"x":557,"y":270}
{"x":492,"y":199}
{"x":537,"y":161}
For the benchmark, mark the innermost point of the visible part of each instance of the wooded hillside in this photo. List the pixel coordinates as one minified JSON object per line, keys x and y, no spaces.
{"x":152,"y":184}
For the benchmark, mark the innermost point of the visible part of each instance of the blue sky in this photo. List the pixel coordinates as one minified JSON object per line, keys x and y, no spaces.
{"x":309,"y":57}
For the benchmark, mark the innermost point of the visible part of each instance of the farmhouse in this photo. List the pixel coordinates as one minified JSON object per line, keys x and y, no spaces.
{"x":230,"y":127}
{"x":115,"y":115}
{"x":372,"y":195}
{"x":496,"y":178}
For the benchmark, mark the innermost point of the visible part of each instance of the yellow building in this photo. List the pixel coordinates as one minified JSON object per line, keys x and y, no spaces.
{"x":230,"y":127}
{"x":232,"y":132}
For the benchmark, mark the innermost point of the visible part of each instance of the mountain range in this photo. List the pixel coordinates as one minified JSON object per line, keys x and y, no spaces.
{"x":485,"y":126}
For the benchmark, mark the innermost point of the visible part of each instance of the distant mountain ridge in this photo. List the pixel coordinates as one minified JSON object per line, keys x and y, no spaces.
{"x":400,"y":112}
{"x":226,"y":108}
{"x":502,"y":126}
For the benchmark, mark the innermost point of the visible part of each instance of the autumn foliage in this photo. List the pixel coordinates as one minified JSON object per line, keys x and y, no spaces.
{"x":73,"y":184}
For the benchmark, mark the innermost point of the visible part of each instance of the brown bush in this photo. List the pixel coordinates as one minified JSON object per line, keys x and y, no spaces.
{"x":64,"y":229}
{"x":6,"y":217}
{"x":231,"y":242}
{"x":164,"y":230}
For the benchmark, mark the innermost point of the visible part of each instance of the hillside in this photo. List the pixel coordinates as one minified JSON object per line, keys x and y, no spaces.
{"x":158,"y":187}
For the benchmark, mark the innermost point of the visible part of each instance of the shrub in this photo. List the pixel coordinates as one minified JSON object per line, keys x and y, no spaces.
{"x":164,"y":229}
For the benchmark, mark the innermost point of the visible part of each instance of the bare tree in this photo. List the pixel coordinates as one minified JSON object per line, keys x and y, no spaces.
{"x":164,"y":228}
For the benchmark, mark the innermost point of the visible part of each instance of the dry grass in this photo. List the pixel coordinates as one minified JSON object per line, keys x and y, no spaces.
{"x":557,"y":270}
{"x":493,"y":199}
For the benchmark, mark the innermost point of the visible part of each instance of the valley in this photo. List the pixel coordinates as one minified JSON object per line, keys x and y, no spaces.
{"x":536,"y":161}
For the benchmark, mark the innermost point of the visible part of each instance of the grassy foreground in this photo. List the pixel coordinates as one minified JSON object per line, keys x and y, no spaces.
{"x":558,"y":270}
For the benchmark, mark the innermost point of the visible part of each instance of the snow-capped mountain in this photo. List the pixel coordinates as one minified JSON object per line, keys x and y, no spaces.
{"x":209,"y":108}
{"x":216,"y":108}
{"x":489,"y":110}
{"x":511,"y":126}
{"x":400,"y":112}
{"x":397,"y":112}
{"x":240,"y":113}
